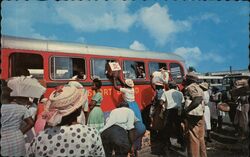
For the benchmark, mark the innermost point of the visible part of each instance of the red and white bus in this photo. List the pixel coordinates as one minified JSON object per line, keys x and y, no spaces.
{"x":55,"y":63}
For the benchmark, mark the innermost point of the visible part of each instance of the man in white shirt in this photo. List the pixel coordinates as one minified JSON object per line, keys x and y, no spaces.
{"x":118,"y":133}
{"x":172,"y":101}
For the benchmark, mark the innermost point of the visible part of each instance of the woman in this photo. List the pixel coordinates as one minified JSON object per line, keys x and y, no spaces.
{"x":207,"y":116}
{"x":128,"y":94}
{"x":96,"y":116}
{"x":64,"y":136}
{"x":13,"y":112}
{"x":85,"y":108}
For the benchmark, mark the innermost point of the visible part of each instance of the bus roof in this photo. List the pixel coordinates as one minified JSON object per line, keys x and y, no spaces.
{"x":55,"y":46}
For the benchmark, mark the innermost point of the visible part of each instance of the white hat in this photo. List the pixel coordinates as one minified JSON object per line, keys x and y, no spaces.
{"x":23,"y":86}
{"x":204,"y":85}
{"x":129,"y":82}
{"x":75,"y":84}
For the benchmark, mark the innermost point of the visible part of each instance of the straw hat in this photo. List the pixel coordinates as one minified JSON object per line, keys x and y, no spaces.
{"x":25,"y":87}
{"x":62,"y":102}
{"x":75,"y":83}
{"x":129,"y":82}
{"x":204,"y":85}
{"x":191,"y":76}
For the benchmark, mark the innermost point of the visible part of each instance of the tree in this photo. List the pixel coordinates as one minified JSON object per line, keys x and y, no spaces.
{"x":191,"y":69}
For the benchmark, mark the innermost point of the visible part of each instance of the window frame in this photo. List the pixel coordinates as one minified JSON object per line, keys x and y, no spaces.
{"x":181,"y":70}
{"x":100,"y":58}
{"x":25,"y":53}
{"x":166,"y":63}
{"x":61,"y":56}
{"x":135,"y":79}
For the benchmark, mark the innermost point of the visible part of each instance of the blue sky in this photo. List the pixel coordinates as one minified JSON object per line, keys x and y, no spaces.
{"x":211,"y":36}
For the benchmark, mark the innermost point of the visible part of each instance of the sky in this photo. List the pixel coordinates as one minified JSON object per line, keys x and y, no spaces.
{"x":210,"y":36}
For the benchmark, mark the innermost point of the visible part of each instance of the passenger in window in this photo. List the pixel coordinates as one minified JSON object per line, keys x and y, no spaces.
{"x":96,"y":116}
{"x":22,"y":72}
{"x":79,"y":76}
{"x":128,"y":94}
{"x":139,"y":70}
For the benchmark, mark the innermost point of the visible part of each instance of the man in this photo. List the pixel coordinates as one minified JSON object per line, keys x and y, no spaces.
{"x":194,"y":119}
{"x":158,"y":80}
{"x":119,"y":132}
{"x":172,"y":101}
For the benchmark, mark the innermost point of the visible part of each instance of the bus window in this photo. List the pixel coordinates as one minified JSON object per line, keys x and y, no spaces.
{"x":26,"y":64}
{"x":99,"y":68}
{"x":176,"y":72}
{"x":67,"y":68}
{"x":134,"y":70}
{"x":154,"y":66}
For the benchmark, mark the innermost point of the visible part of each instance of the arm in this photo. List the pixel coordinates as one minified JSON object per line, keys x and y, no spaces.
{"x":92,"y":104}
{"x":195,"y":102}
{"x":115,"y":85}
{"x":29,"y":124}
{"x":151,"y":82}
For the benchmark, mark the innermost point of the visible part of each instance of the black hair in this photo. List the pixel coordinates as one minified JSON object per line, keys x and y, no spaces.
{"x":172,"y":85}
{"x":5,"y":93}
{"x":67,"y":120}
{"x":98,"y":83}
{"x":123,"y":104}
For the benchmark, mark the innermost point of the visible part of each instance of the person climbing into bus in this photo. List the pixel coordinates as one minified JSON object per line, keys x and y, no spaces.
{"x":128,"y":94}
{"x":158,"y":81}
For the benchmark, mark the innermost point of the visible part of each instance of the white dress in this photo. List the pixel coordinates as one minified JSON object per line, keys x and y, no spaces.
{"x":207,"y":115}
{"x":73,"y":140}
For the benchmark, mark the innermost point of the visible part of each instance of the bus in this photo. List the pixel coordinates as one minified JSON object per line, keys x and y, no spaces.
{"x":56,"y":63}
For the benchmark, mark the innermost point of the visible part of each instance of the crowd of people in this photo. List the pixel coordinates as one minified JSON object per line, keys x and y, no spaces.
{"x":70,"y":125}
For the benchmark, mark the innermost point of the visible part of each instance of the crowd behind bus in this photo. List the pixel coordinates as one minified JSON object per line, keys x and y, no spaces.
{"x":70,"y":125}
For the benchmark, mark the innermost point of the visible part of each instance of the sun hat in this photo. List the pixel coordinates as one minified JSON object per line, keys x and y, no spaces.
{"x":204,"y":85}
{"x":129,"y":82}
{"x":191,"y":76}
{"x":24,"y":86}
{"x":75,"y":84}
{"x":62,"y":102}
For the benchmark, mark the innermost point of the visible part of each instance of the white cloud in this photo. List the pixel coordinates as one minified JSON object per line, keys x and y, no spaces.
{"x":98,"y":16}
{"x":206,"y":17}
{"x":24,"y":18}
{"x":136,"y":45}
{"x":158,"y":22}
{"x":194,"y":56}
{"x":19,"y":19}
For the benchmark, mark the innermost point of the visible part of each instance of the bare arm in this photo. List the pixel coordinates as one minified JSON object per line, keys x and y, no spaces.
{"x":195,"y":102}
{"x":29,"y":124}
{"x":151,"y":82}
{"x":115,"y":84}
